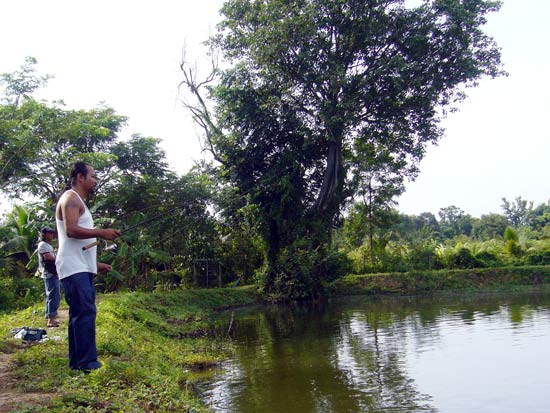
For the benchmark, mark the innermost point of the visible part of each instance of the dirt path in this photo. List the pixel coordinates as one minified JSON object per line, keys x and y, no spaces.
{"x":10,"y":395}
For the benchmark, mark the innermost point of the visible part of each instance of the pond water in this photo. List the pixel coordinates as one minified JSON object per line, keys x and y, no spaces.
{"x":483,"y":353}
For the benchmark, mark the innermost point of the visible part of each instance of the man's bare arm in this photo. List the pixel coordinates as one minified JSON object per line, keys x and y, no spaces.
{"x":48,"y":256}
{"x":71,"y":209}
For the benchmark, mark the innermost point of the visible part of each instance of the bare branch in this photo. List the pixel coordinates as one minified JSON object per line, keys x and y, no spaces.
{"x":199,"y":111}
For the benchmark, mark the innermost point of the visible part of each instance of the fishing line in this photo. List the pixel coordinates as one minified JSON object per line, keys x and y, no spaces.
{"x":154,"y":217}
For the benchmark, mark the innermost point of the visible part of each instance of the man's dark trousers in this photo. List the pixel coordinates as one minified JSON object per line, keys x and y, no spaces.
{"x":80,"y":295}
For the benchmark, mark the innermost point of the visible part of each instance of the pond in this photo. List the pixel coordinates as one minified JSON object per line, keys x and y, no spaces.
{"x":459,"y":353}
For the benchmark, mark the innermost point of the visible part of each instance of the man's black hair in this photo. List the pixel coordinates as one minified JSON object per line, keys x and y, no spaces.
{"x":78,"y":168}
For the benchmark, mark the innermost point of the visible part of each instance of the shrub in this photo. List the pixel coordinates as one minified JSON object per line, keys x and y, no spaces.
{"x":425,"y":259}
{"x":360,"y":261}
{"x":512,"y":242}
{"x":294,"y":276}
{"x":300,"y":271}
{"x":534,"y":257}
{"x":19,"y":293}
{"x":334,"y":265}
{"x":488,"y":259}
{"x":463,"y":258}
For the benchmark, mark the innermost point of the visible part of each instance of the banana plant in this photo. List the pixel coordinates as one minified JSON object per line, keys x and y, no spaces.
{"x":19,"y":233}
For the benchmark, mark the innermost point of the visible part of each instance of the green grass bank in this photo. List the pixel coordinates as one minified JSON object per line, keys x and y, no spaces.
{"x":154,"y":347}
{"x":441,"y":280}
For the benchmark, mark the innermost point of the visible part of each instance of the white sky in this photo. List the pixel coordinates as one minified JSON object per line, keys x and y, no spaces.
{"x":126,"y":53}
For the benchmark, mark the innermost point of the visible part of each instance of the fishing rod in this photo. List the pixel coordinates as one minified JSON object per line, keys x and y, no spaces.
{"x":154,"y":217}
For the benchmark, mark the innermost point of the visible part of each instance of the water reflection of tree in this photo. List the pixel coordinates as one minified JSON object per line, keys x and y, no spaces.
{"x":292,"y":367}
{"x":371,"y":354}
{"x":302,"y":367}
{"x":347,"y":358}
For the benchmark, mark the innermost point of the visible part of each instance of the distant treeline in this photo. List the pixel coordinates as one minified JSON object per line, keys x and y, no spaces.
{"x":390,"y":241}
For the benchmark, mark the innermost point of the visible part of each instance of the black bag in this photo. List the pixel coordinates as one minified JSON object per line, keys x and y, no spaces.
{"x":29,"y":334}
{"x":49,"y":265}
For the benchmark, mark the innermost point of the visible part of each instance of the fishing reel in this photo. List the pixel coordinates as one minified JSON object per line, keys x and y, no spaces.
{"x":110,"y":246}
{"x":105,"y":245}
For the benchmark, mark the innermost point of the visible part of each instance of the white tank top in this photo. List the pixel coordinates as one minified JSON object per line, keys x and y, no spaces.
{"x":71,"y":259}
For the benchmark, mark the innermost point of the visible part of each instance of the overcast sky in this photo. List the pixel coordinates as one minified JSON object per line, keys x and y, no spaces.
{"x":126,"y":53}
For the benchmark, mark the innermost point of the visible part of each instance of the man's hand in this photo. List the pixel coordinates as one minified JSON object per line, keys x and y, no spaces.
{"x":48,"y":256}
{"x":110,"y":234}
{"x":103,"y":268}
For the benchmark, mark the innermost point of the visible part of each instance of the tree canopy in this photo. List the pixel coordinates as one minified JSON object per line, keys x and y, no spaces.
{"x":324,"y":96}
{"x":38,"y":141}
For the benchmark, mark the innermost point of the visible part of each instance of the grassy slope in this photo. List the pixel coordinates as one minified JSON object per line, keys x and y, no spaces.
{"x":443,"y":280}
{"x":153,"y":347}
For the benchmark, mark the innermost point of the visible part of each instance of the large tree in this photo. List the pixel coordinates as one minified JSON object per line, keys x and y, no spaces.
{"x":454,"y":222}
{"x":490,"y":226}
{"x":320,"y":90}
{"x":518,"y":212}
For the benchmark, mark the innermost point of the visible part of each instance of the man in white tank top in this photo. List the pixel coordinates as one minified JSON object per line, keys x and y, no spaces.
{"x":77,"y":267}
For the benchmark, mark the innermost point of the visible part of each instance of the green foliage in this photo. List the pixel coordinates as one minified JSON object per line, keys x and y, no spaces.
{"x":413,"y":228}
{"x":490,"y":226}
{"x":38,"y":142}
{"x":537,"y":257}
{"x":510,"y":234}
{"x":541,"y":217}
{"x":302,"y":270}
{"x":488,"y":259}
{"x":463,"y":258}
{"x":295,"y":274}
{"x":425,"y":258}
{"x":454,"y":222}
{"x":333,"y":265}
{"x":19,"y":232}
{"x":242,"y":254}
{"x":44,"y":140}
{"x":519,"y":213}
{"x":422,"y":243}
{"x":512,"y":242}
{"x":22,"y":83}
{"x":18,"y":292}
{"x":140,"y":156}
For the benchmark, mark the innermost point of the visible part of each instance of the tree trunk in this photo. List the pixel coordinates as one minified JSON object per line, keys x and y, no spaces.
{"x":273,"y":249}
{"x":371,"y":226}
{"x":327,"y":201}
